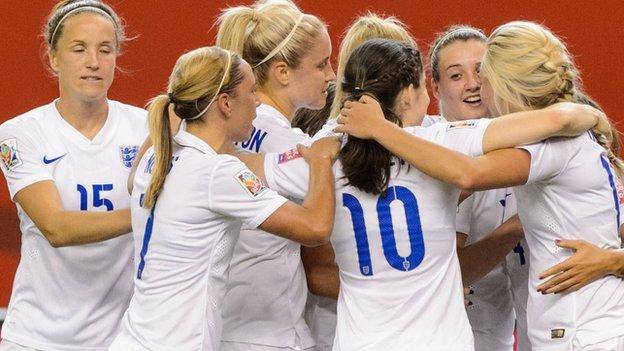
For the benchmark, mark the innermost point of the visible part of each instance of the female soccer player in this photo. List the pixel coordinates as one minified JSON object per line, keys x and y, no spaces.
{"x":398,"y":268}
{"x":498,"y":289}
{"x":66,"y":165}
{"x":289,"y":53}
{"x":570,"y":188}
{"x":189,"y":201}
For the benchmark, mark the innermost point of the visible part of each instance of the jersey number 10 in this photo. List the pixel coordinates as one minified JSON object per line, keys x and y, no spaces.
{"x":388,"y":240}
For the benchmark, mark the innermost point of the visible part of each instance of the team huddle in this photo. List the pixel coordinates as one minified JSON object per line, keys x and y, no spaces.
{"x":265,"y":202}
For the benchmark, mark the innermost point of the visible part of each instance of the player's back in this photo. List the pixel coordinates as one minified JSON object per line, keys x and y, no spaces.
{"x":399,"y":273}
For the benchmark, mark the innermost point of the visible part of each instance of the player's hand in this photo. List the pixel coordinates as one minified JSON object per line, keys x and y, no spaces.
{"x":588,"y":264}
{"x":328,"y":147}
{"x":360,"y":118}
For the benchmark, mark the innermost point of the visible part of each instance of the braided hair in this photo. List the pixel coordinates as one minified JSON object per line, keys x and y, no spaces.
{"x":380,"y":68}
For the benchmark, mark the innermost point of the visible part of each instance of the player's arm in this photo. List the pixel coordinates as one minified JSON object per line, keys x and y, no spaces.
{"x":311,"y":222}
{"x":365,"y":120}
{"x":321,"y":270}
{"x":42,"y":203}
{"x":589,"y":263}
{"x":479,"y":258}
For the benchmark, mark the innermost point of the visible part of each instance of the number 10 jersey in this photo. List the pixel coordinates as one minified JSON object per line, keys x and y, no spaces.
{"x":400,"y":283}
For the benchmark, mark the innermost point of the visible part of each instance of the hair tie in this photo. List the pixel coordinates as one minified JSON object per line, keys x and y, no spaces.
{"x":358,"y":91}
{"x":281,"y":45}
{"x":172,"y":100}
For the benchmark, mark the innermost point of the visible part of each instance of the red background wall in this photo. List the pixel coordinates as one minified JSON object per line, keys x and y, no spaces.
{"x":165,"y":29}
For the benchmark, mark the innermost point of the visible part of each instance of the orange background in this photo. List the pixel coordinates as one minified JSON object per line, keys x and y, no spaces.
{"x":164,"y":29}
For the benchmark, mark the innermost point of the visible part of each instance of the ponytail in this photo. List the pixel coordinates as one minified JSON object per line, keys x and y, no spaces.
{"x":160,"y":134}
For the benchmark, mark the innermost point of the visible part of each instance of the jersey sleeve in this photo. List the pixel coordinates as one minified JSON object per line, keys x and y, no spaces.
{"x":464,"y":216}
{"x":463,"y":136}
{"x":22,"y":160}
{"x":287,"y":173}
{"x":237,"y":192}
{"x":548,"y":158}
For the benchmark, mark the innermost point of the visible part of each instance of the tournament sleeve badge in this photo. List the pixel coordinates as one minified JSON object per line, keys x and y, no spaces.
{"x":128,"y":153}
{"x":10,"y":154}
{"x":288,"y":155}
{"x":250,"y":182}
{"x":461,"y":124}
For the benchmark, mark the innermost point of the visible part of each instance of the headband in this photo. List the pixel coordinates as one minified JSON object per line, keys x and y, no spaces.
{"x":225,"y":74}
{"x":81,"y":8}
{"x":283,"y":43}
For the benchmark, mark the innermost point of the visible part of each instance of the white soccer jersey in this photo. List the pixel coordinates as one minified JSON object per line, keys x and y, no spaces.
{"x":400,"y":284}
{"x":70,"y":298}
{"x":266,"y":295}
{"x":320,"y":313}
{"x":570,"y":194}
{"x":183,"y":248}
{"x":503,"y":290}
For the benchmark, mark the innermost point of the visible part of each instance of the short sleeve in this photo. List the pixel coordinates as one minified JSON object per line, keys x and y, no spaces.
{"x":548,"y":158}
{"x":326,"y":131}
{"x":464,"y":216}
{"x":237,"y":192}
{"x":22,"y":161}
{"x":287,"y":173}
{"x":463,"y":136}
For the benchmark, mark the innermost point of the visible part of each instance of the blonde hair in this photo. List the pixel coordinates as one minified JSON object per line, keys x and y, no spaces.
{"x":452,"y":34}
{"x":369,"y":26}
{"x":64,"y":9}
{"x":268,"y":32}
{"x":198,"y":77}
{"x":528,"y":67}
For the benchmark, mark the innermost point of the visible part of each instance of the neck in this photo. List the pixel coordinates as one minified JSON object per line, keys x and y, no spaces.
{"x":281,"y":104}
{"x":216,"y":136}
{"x":86,"y":117}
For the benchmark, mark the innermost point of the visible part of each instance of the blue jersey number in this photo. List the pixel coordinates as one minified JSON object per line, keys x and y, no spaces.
{"x":147,"y":236}
{"x":98,"y":200}
{"x":388,"y":240}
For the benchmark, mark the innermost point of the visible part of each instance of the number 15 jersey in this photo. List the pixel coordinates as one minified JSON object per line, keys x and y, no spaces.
{"x":400,"y":283}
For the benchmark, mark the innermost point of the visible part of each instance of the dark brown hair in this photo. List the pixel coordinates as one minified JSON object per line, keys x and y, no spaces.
{"x":380,"y":68}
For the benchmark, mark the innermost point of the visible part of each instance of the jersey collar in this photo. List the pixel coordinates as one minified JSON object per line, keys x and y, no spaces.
{"x":184,"y":138}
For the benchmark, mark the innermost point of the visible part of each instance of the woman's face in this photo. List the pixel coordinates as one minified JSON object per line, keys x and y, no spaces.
{"x":487,"y":95}
{"x":85,"y":57}
{"x":243,"y":105}
{"x":309,"y":82}
{"x":458,"y":90}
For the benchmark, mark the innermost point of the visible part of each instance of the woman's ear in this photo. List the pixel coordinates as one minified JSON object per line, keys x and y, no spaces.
{"x":280,"y":72}
{"x":435,"y":89}
{"x":224,"y":103}
{"x":52,"y":59}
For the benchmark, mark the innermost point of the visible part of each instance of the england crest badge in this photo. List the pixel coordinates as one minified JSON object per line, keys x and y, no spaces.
{"x":128,"y":153}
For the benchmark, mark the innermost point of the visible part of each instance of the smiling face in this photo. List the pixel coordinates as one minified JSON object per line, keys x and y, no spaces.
{"x":458,"y":90}
{"x":85,"y":57}
{"x":309,"y":81}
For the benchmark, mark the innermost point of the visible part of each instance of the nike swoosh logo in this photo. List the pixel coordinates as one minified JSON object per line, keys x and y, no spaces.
{"x":51,"y":160}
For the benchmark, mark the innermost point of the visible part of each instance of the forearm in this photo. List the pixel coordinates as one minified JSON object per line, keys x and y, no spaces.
{"x":69,"y":228}
{"x":479,"y":258}
{"x":434,"y":160}
{"x":324,"y":280}
{"x":617,"y":262}
{"x":320,"y":200}
{"x":528,"y":127}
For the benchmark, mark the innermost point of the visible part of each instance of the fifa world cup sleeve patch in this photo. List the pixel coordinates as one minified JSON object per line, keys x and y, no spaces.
{"x":289,"y":155}
{"x":620,"y":190}
{"x":250,"y":182}
{"x":10,"y":154}
{"x":461,"y":124}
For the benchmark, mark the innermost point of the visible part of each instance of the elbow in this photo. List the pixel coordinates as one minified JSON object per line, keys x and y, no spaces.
{"x":318,"y":234}
{"x":54,"y":234}
{"x":468,"y":181}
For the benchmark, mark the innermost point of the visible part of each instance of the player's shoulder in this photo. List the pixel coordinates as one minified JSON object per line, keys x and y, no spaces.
{"x":130,"y":113}
{"x":27,"y":118}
